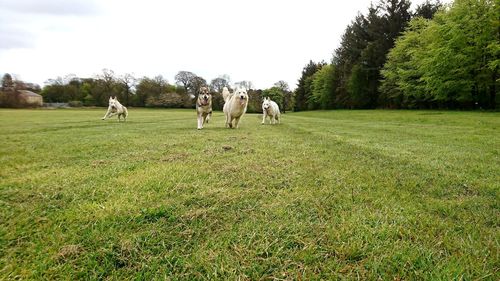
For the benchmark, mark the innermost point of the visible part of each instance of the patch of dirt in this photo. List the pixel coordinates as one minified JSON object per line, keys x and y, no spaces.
{"x":226,"y":147}
{"x":96,"y":163}
{"x":69,"y":251}
{"x":175,"y":157}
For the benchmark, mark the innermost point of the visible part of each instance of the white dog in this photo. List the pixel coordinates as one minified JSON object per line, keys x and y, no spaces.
{"x":116,"y":108}
{"x":235,"y":105}
{"x":204,"y":107}
{"x":271,"y":109}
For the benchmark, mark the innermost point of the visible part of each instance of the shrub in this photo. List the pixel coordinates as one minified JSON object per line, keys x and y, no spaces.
{"x":75,"y":103}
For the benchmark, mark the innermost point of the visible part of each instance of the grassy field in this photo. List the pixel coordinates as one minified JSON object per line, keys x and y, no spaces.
{"x":325,"y":195}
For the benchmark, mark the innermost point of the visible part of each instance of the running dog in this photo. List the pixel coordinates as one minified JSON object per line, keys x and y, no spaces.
{"x":271,"y":109}
{"x":235,"y":106}
{"x":116,"y":108}
{"x":204,"y":107}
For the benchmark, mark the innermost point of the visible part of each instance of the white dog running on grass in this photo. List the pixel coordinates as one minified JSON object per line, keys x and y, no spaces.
{"x":271,"y":109}
{"x":235,"y":105}
{"x":116,"y":108}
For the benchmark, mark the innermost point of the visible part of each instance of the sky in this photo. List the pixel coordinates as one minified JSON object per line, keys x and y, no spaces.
{"x":259,"y":41}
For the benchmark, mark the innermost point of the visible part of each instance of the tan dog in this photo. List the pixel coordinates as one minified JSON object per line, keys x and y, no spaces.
{"x":235,"y":105}
{"x":116,"y":108}
{"x":203,"y":107}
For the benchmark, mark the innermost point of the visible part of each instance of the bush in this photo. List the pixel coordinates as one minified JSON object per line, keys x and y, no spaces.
{"x":11,"y":99}
{"x":89,"y":100}
{"x":166,"y":100}
{"x":75,"y":103}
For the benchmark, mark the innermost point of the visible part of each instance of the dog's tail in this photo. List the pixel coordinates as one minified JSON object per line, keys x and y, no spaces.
{"x":225,"y":94}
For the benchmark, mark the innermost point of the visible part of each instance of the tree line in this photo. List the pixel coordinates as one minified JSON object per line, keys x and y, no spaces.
{"x":142,"y":92}
{"x":438,"y":56}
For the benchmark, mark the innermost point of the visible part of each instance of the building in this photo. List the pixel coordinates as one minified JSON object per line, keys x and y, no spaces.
{"x":29,"y":98}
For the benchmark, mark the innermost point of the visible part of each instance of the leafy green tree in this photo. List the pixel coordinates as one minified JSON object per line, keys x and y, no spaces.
{"x":303,"y":90}
{"x":402,"y":86}
{"x":450,"y":61}
{"x":457,"y":67}
{"x":323,"y":87}
{"x":54,"y":91}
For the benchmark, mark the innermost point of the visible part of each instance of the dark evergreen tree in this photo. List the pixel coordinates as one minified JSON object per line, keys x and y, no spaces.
{"x":427,"y":9}
{"x":7,"y":82}
{"x":303,"y":91}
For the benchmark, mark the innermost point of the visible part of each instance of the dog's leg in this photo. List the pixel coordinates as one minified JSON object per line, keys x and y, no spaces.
{"x":200,"y":122}
{"x":209,"y":115}
{"x":264,"y":118}
{"x":236,"y":121}
{"x":107,"y":113}
{"x":205,"y":118}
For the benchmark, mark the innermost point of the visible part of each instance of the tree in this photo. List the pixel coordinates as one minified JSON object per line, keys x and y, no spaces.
{"x":106,"y":86}
{"x":353,"y":42}
{"x":54,"y":90}
{"x":244,"y":84}
{"x":323,"y":88}
{"x":286,"y":96}
{"x":401,"y":84}
{"x":7,"y":82}
{"x":303,"y":90}
{"x":217,"y":84}
{"x":457,"y":68}
{"x":128,"y":82}
{"x":198,"y":82}
{"x":150,"y":87}
{"x":450,"y":61}
{"x":282,"y":85}
{"x":108,"y":79}
{"x":362,"y":53}
{"x":186,"y":79}
{"x":427,"y":9}
{"x":276,"y":94}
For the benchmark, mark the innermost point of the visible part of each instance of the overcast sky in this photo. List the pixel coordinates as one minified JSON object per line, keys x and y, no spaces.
{"x":259,"y":41}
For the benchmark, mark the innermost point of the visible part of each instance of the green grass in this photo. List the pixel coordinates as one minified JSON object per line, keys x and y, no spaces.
{"x":325,"y":195}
